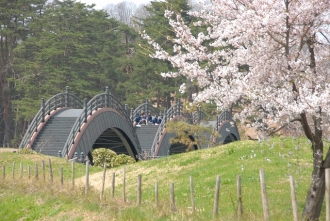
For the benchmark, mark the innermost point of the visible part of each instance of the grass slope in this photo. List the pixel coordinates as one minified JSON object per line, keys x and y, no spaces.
{"x":32,"y":200}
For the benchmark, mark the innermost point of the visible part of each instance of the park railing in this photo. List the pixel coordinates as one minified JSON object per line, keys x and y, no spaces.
{"x":65,"y":99}
{"x":104,"y":100}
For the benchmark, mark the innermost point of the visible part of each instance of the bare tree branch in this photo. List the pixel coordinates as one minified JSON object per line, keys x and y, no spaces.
{"x":284,"y":125}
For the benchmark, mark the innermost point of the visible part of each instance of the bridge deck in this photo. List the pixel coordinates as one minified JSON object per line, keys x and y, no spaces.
{"x":54,"y":134}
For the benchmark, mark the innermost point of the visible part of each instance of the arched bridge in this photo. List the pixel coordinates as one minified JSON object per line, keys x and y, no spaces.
{"x":65,"y":125}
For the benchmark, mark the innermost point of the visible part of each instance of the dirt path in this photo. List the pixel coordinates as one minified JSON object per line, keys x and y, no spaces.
{"x":7,"y":149}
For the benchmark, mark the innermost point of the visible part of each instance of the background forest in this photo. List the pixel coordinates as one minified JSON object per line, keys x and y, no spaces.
{"x":48,"y":45}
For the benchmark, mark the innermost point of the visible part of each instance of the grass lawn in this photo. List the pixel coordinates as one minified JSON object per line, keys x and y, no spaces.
{"x":28,"y":199}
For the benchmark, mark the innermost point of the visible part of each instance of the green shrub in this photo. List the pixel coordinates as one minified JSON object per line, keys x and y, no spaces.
{"x":123,"y":159}
{"x":26,"y":151}
{"x":103,"y":155}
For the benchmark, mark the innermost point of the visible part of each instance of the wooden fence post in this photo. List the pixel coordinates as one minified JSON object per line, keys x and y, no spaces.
{"x":103,"y":179}
{"x":124,"y":183}
{"x":139,"y":191}
{"x":21,"y":170}
{"x":294,"y":200}
{"x":172,"y":197}
{"x":192,"y":194}
{"x":3,"y":171}
{"x":50,"y":170}
{"x":156,"y":194}
{"x":264,"y":195}
{"x":72,"y":176}
{"x":43,"y":170}
{"x":239,"y":197}
{"x":29,"y":172}
{"x":87,"y":177}
{"x":13,"y":171}
{"x":327,"y":194}
{"x":36,"y":175}
{"x":216,"y":198}
{"x":113,"y":185}
{"x":61,"y":176}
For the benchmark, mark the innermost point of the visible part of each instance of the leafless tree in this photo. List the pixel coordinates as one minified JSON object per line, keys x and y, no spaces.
{"x":122,"y":11}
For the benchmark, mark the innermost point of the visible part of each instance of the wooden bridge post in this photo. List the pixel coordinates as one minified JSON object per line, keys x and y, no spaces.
{"x":126,"y":110}
{"x":132,"y":117}
{"x":43,"y":110}
{"x":67,"y":103}
{"x":146,"y":107}
{"x":106,"y":96}
{"x":36,"y":126}
{"x":165,"y":113}
{"x":49,"y":108}
{"x":85,"y":107}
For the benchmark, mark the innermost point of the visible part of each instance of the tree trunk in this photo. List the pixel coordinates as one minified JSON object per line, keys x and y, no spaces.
{"x":6,"y":114}
{"x":315,"y":195}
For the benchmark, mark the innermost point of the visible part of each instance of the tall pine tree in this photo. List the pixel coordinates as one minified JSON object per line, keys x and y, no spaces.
{"x":15,"y":19}
{"x":145,"y":81}
{"x":71,"y":45}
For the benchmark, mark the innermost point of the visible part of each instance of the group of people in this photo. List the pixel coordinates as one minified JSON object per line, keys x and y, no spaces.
{"x":147,"y":119}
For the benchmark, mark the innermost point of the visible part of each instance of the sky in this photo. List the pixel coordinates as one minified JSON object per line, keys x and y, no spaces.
{"x":100,"y":4}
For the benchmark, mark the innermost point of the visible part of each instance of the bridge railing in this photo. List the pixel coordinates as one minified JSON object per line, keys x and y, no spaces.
{"x":65,"y":99}
{"x":173,"y":111}
{"x":146,"y":108}
{"x":198,"y":116}
{"x":106,"y":100}
{"x":225,"y":115}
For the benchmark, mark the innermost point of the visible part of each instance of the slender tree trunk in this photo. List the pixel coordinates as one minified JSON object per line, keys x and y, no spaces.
{"x":6,"y":113}
{"x":158,"y":98}
{"x":315,"y":195}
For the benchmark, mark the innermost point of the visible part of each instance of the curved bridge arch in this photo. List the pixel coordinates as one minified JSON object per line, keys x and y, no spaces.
{"x":105,"y":121}
{"x":228,"y":132}
{"x":161,"y":145}
{"x":108,"y":112}
{"x":64,"y":131}
{"x":59,"y":101}
{"x":227,"y":128}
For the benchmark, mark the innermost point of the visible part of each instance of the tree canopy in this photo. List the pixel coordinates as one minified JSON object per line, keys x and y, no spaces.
{"x":48,"y":45}
{"x":272,"y":57}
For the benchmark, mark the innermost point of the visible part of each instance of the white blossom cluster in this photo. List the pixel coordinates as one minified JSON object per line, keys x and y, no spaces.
{"x":283,"y":45}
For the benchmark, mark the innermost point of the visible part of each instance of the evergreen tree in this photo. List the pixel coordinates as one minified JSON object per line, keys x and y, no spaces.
{"x":145,"y":80}
{"x":15,"y":18}
{"x":70,"y":45}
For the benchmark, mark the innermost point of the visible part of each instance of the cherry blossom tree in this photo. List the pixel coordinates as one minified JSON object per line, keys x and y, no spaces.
{"x":271,"y":56}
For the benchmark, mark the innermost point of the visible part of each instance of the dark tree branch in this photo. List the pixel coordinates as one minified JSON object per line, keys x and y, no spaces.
{"x":306,"y":128}
{"x":284,"y":125}
{"x":326,"y":38}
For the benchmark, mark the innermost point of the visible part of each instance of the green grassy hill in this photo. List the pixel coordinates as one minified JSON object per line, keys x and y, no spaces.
{"x":40,"y":200}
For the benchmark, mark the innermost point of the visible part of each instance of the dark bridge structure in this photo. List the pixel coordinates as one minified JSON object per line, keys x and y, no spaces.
{"x":65,"y":126}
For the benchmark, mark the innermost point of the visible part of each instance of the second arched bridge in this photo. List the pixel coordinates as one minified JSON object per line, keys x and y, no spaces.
{"x":64,"y":125}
